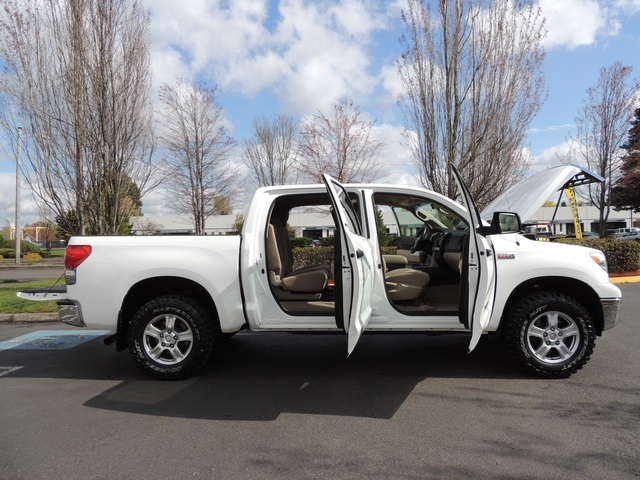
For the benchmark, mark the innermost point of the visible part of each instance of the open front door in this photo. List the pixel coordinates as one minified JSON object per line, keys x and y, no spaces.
{"x":481,"y":275}
{"x":356,"y":264}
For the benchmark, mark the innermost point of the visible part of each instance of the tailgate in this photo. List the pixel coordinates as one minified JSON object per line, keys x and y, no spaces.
{"x":57,"y":292}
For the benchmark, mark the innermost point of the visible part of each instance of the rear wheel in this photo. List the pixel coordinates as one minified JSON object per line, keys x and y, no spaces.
{"x":549,"y":334}
{"x":171,"y":337}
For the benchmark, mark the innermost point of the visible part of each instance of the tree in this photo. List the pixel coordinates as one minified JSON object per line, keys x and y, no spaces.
{"x":383,"y":236}
{"x":625,"y":194}
{"x":272,"y":151}
{"x":76,"y":77}
{"x":238,"y":224}
{"x":472,"y":81}
{"x":601,"y":126}
{"x":222,"y":205}
{"x":197,"y":141}
{"x":341,"y":145}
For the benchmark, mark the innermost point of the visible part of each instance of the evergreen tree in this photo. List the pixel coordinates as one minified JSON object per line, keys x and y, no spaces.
{"x":626,"y":192}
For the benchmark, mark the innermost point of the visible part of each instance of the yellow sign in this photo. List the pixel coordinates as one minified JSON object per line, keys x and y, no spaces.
{"x":571,"y":195}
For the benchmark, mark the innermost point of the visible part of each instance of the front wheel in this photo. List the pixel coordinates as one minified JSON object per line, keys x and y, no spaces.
{"x":171,"y":337}
{"x":549,"y":334}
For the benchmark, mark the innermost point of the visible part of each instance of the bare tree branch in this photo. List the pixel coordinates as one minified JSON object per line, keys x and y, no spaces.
{"x":472,"y":77}
{"x":197,"y":140}
{"x":601,"y":128}
{"x":341,"y":145}
{"x":77,"y":78}
{"x":271,"y":153}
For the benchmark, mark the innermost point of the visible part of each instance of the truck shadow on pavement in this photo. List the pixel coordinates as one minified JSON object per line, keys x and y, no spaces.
{"x":257,"y":377}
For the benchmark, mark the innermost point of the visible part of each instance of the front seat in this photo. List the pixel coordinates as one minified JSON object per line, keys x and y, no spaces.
{"x":405,"y":283}
{"x":303,"y":284}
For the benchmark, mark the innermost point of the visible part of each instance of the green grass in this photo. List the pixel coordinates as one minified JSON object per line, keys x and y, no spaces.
{"x":9,"y":303}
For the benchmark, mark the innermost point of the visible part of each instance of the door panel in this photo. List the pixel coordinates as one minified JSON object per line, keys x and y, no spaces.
{"x":356,"y":264}
{"x":480,"y":273}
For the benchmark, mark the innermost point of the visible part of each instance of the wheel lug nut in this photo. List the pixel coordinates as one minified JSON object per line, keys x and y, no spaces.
{"x":546,"y":334}
{"x":171,"y":346}
{"x":163,"y":344}
{"x":557,"y":343}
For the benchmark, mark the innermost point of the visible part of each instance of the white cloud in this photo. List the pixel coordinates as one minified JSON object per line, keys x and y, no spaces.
{"x":628,"y":6}
{"x":577,"y":23}
{"x":395,"y":158}
{"x":29,"y":211}
{"x":311,"y":55}
{"x":550,"y":157}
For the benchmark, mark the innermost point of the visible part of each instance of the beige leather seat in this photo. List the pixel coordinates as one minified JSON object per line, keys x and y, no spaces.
{"x":302,"y":284}
{"x":405,"y":283}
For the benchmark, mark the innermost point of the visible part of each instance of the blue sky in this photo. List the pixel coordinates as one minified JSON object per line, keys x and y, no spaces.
{"x":300,"y":56}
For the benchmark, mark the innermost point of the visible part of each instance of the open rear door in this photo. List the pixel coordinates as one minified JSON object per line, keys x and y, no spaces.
{"x":356,"y":264}
{"x":481,"y":275}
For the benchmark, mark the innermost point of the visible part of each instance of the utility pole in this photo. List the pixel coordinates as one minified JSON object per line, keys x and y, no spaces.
{"x":17,"y":229}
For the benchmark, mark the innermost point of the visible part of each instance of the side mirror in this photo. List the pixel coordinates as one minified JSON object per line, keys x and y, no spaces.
{"x":506,"y":222}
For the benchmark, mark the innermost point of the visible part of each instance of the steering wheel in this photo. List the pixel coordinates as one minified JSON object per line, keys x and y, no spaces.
{"x":421,"y":239}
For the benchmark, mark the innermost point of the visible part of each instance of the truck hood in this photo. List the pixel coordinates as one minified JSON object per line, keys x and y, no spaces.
{"x":530,"y":194}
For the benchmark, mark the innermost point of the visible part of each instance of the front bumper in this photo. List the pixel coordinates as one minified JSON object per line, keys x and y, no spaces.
{"x":70,"y":313}
{"x":611,"y":312}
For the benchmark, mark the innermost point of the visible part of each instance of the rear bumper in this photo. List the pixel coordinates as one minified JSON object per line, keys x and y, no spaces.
{"x":70,"y":313}
{"x":611,"y":312}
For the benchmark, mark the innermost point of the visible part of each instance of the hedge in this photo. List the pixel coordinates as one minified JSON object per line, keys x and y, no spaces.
{"x":308,"y":256}
{"x":25,"y":247}
{"x":622,"y":255}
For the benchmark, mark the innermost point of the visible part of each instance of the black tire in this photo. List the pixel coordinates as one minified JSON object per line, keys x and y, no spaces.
{"x":549,"y":334}
{"x":171,"y":337}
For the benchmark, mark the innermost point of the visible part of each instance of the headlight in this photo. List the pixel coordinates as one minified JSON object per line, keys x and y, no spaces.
{"x":600,"y":259}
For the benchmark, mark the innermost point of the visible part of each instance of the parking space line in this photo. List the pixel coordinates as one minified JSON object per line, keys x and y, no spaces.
{"x":7,"y":370}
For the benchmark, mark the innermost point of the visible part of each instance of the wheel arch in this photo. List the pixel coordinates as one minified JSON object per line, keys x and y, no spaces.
{"x":576,"y":289}
{"x":149,"y":288}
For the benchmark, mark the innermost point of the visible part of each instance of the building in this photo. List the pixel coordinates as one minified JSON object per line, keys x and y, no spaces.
{"x":320,"y":224}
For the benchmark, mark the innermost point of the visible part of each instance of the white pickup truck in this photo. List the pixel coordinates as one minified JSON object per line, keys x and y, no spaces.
{"x":169,"y":299}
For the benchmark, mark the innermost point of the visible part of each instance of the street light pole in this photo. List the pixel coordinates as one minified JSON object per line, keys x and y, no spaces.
{"x":17,"y":229}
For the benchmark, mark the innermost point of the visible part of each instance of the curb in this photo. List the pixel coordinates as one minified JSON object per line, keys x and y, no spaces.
{"x":635,"y":279}
{"x":28,"y":317}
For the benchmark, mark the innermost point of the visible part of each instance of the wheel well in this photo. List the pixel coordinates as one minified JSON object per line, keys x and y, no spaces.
{"x":571,"y":287}
{"x":145,"y":290}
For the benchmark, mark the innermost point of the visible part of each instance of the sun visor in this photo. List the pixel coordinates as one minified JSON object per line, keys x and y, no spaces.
{"x":526,"y":197}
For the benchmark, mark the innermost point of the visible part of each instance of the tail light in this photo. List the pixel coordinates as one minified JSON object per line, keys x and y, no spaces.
{"x":75,"y":255}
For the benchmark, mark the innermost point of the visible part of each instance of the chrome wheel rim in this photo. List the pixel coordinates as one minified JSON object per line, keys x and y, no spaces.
{"x":168,"y":339}
{"x":553,"y":337}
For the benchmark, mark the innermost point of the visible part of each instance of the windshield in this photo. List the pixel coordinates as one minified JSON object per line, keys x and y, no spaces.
{"x":411,"y":213}
{"x":437,"y":215}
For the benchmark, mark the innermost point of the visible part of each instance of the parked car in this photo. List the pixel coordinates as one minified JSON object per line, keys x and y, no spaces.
{"x":630,"y":236}
{"x":623,"y":232}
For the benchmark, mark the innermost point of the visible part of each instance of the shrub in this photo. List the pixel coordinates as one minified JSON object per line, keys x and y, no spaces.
{"x":327,"y":241}
{"x":31,"y":257}
{"x":622,"y":255}
{"x":306,"y":257}
{"x":8,"y":252}
{"x":300,"y":242}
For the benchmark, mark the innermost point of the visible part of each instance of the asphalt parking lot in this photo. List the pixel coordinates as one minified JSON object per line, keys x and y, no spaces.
{"x":293,"y":406}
